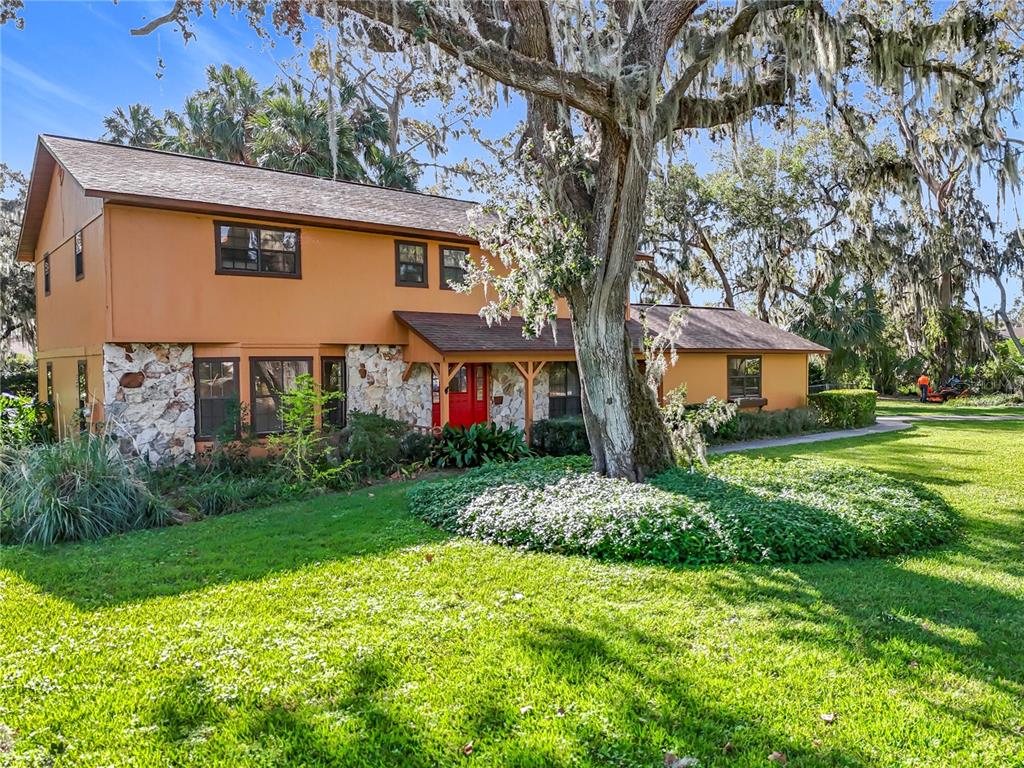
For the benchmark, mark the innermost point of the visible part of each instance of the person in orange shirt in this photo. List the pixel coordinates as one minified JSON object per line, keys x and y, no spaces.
{"x":922,"y":384}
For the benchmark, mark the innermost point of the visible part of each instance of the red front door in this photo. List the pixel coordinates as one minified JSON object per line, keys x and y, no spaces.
{"x":467,"y":397}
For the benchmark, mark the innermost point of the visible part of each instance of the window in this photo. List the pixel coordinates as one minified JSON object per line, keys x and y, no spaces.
{"x":271,"y":377}
{"x":744,"y":377}
{"x":411,"y":264}
{"x":332,"y":378}
{"x":46,"y":274}
{"x":563,"y":390}
{"x":453,"y":266}
{"x":216,"y":395}
{"x":251,"y":250}
{"x":79,"y":256}
{"x":83,"y":394}
{"x":49,"y":383}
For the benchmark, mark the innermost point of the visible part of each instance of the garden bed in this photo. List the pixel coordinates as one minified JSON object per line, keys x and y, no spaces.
{"x":739,"y":510}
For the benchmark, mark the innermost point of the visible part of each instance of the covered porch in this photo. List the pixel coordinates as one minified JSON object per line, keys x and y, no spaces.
{"x":465,"y":356}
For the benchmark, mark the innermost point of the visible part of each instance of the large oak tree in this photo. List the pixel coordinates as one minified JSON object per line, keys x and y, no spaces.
{"x":605,"y":82}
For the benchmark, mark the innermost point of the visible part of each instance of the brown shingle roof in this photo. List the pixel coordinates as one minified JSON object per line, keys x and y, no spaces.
{"x":713,"y":328}
{"x":118,"y":172}
{"x":702,"y":328}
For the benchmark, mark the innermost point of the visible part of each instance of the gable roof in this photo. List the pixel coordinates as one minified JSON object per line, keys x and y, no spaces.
{"x":147,"y":176}
{"x":720,"y":329}
{"x":701,"y":329}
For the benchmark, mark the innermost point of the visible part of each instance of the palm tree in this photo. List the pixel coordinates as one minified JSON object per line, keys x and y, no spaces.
{"x":138,"y":127}
{"x":292,"y":133}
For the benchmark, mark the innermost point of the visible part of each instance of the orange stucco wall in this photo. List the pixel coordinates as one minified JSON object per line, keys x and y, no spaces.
{"x":783,"y":377}
{"x":164,"y":287}
{"x":71,"y":322}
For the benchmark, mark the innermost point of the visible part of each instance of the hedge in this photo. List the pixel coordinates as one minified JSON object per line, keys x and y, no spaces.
{"x":845,"y":408}
{"x":562,"y":436}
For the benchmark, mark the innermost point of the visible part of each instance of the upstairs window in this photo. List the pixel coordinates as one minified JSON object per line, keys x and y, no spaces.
{"x":79,"y":256}
{"x":453,"y":266}
{"x":244,"y":249}
{"x":270,"y":377}
{"x":411,"y":264}
{"x":216,"y":395}
{"x":744,"y":377}
{"x":46,"y":274}
{"x":564,"y":390}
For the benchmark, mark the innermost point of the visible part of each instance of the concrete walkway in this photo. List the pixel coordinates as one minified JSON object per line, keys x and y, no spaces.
{"x":883,"y":425}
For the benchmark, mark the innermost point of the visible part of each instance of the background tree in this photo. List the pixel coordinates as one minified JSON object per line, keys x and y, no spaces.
{"x":17,"y":280}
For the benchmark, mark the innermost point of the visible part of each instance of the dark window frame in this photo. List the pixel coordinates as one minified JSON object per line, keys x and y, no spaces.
{"x":219,"y":270}
{"x":567,"y":405}
{"x":335,"y":413}
{"x":729,"y":377}
{"x":49,"y":383}
{"x":252,"y":384}
{"x":238,"y":391}
{"x":83,"y":393}
{"x":398,"y":264}
{"x":46,"y":274}
{"x":79,"y":255}
{"x":445,"y":285}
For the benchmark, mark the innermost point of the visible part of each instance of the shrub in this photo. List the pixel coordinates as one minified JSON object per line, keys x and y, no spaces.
{"x":563,"y":436}
{"x":72,"y":490}
{"x":373,"y":440}
{"x":478,"y":444}
{"x":845,"y":408}
{"x":741,"y":509}
{"x":757,"y":425}
{"x":303,"y":448}
{"x":205,"y":491}
{"x":690,"y":427}
{"x":18,"y":375}
{"x":993,"y":400}
{"x":24,"y":420}
{"x":415,"y":446}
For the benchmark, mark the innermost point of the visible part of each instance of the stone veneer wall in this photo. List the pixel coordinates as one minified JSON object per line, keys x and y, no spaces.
{"x":150,"y":400}
{"x":507,"y":383}
{"x":375,"y":384}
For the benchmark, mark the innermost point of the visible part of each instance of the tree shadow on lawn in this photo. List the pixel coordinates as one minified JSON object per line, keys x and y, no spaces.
{"x":244,"y":546}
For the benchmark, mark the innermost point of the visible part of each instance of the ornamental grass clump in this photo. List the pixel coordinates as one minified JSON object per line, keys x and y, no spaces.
{"x":739,"y":509}
{"x":73,"y":490}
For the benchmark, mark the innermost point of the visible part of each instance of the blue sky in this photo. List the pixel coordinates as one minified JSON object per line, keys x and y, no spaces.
{"x":75,"y":61}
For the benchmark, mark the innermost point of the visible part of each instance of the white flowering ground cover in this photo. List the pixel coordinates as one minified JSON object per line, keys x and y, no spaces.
{"x":344,"y":631}
{"x":741,"y":509}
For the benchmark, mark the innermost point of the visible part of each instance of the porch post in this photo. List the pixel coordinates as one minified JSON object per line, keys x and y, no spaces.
{"x":529,"y":371}
{"x":448,"y":373}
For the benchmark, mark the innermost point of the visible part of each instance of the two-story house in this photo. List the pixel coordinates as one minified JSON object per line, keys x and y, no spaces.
{"x":169,"y":286}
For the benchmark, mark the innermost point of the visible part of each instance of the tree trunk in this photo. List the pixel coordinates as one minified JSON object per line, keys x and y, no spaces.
{"x":627,"y":435}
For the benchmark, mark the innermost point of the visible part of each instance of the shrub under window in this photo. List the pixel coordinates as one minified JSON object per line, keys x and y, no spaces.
{"x":271,"y":377}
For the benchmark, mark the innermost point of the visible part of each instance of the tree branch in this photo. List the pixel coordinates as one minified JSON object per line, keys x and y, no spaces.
{"x":175,"y":15}
{"x":700,"y":112}
{"x":423,"y":21}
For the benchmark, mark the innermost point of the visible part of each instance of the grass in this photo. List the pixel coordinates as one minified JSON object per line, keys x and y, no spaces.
{"x":910,"y":407}
{"x":341,"y":631}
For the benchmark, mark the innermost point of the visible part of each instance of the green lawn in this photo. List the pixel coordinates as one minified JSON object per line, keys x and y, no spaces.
{"x":917,"y":408}
{"x":343,"y":632}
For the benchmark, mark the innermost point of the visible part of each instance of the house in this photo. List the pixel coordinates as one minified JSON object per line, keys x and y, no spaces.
{"x":170,"y":287}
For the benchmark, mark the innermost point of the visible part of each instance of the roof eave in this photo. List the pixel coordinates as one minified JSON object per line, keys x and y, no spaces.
{"x":25,"y":250}
{"x":199,"y":206}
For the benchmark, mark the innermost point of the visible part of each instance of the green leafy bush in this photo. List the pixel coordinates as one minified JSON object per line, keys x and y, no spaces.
{"x":18,"y":375}
{"x":845,"y":408}
{"x":478,"y":444}
{"x":563,"y":436}
{"x":415,"y":446}
{"x":758,"y":425}
{"x":207,"y":491}
{"x":72,"y":490}
{"x":373,"y":440}
{"x":303,"y":448}
{"x":740,"y":509}
{"x":24,"y":420}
